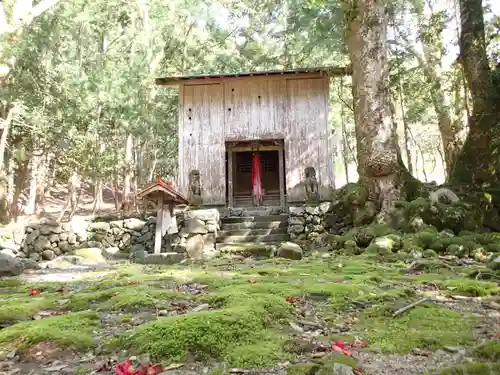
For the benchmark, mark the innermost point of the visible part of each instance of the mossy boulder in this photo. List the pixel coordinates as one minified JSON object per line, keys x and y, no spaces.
{"x":456,"y":216}
{"x":350,"y":247}
{"x":385,"y":245}
{"x":364,"y":235}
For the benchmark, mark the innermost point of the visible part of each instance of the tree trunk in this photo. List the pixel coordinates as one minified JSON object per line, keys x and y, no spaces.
{"x":19,"y":181}
{"x":127,"y":174}
{"x":74,"y":191}
{"x":98,"y":199}
{"x":36,"y":176}
{"x":479,"y":162}
{"x":379,"y":165}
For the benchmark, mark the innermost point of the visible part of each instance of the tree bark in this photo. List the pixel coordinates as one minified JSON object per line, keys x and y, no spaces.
{"x":379,"y":163}
{"x":479,"y":162}
{"x":128,"y":174}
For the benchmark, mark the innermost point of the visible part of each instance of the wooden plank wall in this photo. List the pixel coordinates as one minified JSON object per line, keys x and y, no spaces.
{"x":252,"y":108}
{"x":307,"y":137}
{"x":201,"y":143}
{"x":255,"y":109}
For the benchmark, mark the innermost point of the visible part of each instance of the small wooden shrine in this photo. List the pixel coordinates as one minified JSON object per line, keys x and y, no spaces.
{"x":281,"y":118}
{"x":165,"y":197}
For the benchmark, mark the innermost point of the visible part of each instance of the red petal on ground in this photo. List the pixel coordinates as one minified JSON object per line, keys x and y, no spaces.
{"x":340,"y":344}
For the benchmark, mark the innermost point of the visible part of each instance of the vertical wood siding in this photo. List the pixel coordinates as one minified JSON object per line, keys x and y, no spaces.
{"x":293,"y":109}
{"x":306,"y":141}
{"x":202,"y":137}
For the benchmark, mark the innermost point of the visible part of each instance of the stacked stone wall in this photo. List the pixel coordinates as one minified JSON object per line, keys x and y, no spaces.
{"x":129,"y":237}
{"x":309,"y":222}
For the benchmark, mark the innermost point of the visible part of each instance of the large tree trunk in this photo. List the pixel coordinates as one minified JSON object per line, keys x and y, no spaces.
{"x":379,"y":165}
{"x":479,"y":161}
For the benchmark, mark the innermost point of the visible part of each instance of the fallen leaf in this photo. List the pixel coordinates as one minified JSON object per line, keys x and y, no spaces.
{"x":251,"y":281}
{"x":124,"y":368}
{"x":420,"y":352}
{"x":357,"y":371}
{"x":296,"y":327}
{"x":106,"y":365}
{"x":291,"y":299}
{"x":60,"y":289}
{"x":173,"y":366}
{"x":347,"y":353}
{"x":336,"y":348}
{"x":319,"y":354}
{"x":358,"y":344}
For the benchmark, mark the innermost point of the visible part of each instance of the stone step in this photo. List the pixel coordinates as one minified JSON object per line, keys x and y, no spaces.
{"x":255,"y":225}
{"x":247,"y":249}
{"x":249,"y":232}
{"x":247,"y":219}
{"x":262,"y":238}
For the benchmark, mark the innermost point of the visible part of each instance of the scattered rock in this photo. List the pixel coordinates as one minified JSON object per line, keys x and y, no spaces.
{"x":290,"y":250}
{"x":10,"y":266}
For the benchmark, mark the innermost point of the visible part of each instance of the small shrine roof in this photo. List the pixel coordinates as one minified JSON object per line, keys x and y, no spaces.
{"x":161,"y":188}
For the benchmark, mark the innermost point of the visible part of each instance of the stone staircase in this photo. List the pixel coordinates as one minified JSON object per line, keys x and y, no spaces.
{"x":256,"y":231}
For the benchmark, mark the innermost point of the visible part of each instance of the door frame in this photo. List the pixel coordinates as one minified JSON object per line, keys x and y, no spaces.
{"x":255,"y":145}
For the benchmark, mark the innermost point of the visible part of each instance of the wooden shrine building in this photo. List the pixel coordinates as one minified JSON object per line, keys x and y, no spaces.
{"x":281,"y":115}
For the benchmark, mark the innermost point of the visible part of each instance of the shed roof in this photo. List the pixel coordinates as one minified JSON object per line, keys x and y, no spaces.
{"x":162,"y":189}
{"x":331,"y":71}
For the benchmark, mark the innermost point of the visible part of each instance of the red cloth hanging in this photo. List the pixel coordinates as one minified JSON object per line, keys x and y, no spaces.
{"x":256,"y":177}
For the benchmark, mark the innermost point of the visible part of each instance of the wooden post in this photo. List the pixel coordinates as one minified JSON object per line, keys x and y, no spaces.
{"x":159,"y":226}
{"x":230,"y":175}
{"x":168,"y":225}
{"x":281,"y":174}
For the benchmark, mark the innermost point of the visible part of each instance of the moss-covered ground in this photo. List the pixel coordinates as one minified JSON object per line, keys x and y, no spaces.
{"x":247,"y":314}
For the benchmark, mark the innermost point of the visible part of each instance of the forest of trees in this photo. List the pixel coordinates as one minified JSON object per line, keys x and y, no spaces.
{"x":78,"y":103}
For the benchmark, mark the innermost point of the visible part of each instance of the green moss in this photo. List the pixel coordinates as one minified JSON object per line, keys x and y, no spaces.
{"x":422,"y":327}
{"x":217,"y":333}
{"x":489,"y":350}
{"x":469,"y":369}
{"x":426,"y":238}
{"x":264,"y":353}
{"x":303,"y":369}
{"x":335,"y":357}
{"x":72,"y":329}
{"x":429,"y":253}
{"x":17,"y":307}
{"x":363,"y":236}
{"x":250,"y":250}
{"x":475,"y":288}
{"x":351,"y":247}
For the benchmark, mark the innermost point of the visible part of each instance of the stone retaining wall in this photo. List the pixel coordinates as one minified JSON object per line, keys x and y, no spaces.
{"x":308,"y":222}
{"x":46,"y":240}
